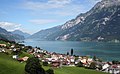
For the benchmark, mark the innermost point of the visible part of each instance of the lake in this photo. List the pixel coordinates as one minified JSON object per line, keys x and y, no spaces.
{"x":105,"y":51}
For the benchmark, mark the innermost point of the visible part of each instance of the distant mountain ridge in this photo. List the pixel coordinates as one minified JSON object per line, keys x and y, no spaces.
{"x":21,"y":33}
{"x":5,"y":35}
{"x":101,"y":23}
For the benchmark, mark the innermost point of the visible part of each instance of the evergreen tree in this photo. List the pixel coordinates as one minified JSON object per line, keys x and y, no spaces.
{"x":71,"y":52}
{"x":67,"y":53}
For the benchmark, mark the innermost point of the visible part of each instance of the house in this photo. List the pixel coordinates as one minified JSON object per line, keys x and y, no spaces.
{"x":114,"y":69}
{"x":105,"y":67}
{"x":55,"y":56}
{"x":14,"y":49}
{"x":84,"y":61}
{"x":72,"y":61}
{"x":15,"y":56}
{"x":3,"y":50}
{"x":23,"y":59}
{"x":77,"y":61}
{"x":3,"y":45}
{"x":12,"y":46}
{"x":55,"y":64}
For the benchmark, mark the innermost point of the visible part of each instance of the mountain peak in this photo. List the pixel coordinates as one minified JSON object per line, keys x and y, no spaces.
{"x":21,"y":33}
{"x":101,"y":23}
{"x":4,"y":34}
{"x":107,"y":3}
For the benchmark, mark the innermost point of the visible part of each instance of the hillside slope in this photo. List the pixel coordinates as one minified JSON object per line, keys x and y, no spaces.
{"x":5,"y":35}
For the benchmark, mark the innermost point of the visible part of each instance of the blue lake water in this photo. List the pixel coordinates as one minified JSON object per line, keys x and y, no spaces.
{"x":105,"y":51}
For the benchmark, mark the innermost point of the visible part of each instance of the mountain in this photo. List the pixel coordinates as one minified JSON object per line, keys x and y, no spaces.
{"x":5,"y":35}
{"x":101,"y":23}
{"x":21,"y":33}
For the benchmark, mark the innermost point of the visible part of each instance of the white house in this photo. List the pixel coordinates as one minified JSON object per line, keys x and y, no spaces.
{"x":105,"y":66}
{"x":15,"y":56}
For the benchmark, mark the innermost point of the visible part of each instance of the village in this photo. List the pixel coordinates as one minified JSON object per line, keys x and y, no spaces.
{"x":57,"y":60}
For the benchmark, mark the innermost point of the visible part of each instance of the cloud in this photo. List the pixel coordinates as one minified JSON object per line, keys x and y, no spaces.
{"x":42,"y":21}
{"x":10,"y":26}
{"x":46,"y":5}
{"x":54,"y":7}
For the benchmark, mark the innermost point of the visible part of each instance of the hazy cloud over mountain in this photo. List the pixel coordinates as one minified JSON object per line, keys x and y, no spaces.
{"x":10,"y":26}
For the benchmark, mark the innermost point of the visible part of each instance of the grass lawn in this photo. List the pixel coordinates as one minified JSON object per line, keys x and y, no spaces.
{"x":10,"y":66}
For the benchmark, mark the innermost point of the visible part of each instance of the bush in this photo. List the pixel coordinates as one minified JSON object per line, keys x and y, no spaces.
{"x":93,"y":65}
{"x":45,"y":63}
{"x":115,"y":62}
{"x":80,"y":64}
{"x":50,"y":71}
{"x":33,"y":66}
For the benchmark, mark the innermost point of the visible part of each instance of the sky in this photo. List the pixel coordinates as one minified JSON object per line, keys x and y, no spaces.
{"x":32,"y":16}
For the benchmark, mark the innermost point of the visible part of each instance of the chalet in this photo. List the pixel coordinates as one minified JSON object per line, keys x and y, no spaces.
{"x":3,"y":45}
{"x":12,"y":46}
{"x":114,"y":69}
{"x":14,"y":49}
{"x":54,"y":57}
{"x":15,"y":56}
{"x":3,"y":50}
{"x":55,"y":64}
{"x":23,"y":59}
{"x":72,"y":61}
{"x":105,"y":67}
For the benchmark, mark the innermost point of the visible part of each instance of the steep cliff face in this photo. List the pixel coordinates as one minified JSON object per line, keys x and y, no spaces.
{"x":102,"y":22}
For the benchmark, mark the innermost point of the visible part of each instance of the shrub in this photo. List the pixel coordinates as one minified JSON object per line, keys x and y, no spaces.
{"x":115,"y":62}
{"x":80,"y":64}
{"x":45,"y":63}
{"x":50,"y":71}
{"x":93,"y":65}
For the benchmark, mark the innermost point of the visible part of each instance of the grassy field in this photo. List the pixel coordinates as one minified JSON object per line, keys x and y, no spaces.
{"x":74,"y":70}
{"x":10,"y":66}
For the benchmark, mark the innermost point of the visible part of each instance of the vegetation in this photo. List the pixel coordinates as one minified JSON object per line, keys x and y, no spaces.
{"x":50,"y":71}
{"x":71,"y":52}
{"x":115,"y":62}
{"x":93,"y":65}
{"x":4,"y":42}
{"x":23,"y":54}
{"x":33,"y":66}
{"x":10,"y":66}
{"x":76,"y":70}
{"x":45,"y":63}
{"x":67,"y":53}
{"x":80,"y":64}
